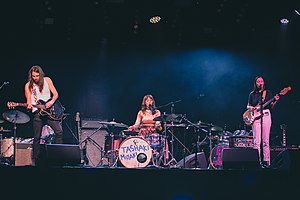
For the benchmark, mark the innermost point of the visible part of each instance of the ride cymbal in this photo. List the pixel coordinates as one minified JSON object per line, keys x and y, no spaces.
{"x":16,"y":116}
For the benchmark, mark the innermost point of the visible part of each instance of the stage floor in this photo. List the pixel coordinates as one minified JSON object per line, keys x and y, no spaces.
{"x":83,"y":182}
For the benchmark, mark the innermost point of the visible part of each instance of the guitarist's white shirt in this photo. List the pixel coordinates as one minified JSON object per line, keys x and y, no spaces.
{"x":36,"y":95}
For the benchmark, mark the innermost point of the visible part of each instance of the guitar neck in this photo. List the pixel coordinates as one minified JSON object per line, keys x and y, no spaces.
{"x":21,"y":104}
{"x":267,"y":103}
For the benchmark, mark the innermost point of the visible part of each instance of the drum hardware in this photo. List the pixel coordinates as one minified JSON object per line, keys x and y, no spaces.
{"x":111,"y":148}
{"x":211,"y":131}
{"x":15,"y":117}
{"x":115,"y":129}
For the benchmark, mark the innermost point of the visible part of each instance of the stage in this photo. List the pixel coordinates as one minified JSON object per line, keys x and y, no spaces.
{"x":83,"y":182}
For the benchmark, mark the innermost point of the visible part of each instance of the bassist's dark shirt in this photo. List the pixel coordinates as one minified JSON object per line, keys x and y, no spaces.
{"x":255,"y":97}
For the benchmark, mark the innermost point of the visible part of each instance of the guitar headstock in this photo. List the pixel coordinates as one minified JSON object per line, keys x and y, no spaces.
{"x":11,"y":105}
{"x":285,"y":90}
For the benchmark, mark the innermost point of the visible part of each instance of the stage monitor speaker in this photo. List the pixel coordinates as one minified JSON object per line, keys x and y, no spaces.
{"x":288,"y":159}
{"x":190,"y":161}
{"x":62,"y":155}
{"x":93,"y":143}
{"x":240,"y":158}
{"x":23,"y":154}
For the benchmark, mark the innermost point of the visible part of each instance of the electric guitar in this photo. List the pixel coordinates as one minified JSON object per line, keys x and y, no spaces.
{"x":250,"y":115}
{"x":55,"y":112}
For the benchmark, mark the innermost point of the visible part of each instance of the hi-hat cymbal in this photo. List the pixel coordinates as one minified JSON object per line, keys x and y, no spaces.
{"x":216,"y":128}
{"x":16,"y":116}
{"x":168,"y":118}
{"x":210,"y":126}
{"x":177,"y":125}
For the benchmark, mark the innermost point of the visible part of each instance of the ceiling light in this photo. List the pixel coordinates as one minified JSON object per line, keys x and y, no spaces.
{"x":284,"y":21}
{"x":155,"y":19}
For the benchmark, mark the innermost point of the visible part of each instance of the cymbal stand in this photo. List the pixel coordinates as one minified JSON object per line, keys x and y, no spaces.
{"x":88,"y":138}
{"x":112,"y":158}
{"x":163,"y":154}
{"x":173,"y":161}
{"x":198,"y":143}
{"x":14,"y":139}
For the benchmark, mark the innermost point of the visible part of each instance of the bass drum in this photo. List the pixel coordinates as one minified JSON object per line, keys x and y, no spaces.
{"x":215,"y":157}
{"x":135,"y":152}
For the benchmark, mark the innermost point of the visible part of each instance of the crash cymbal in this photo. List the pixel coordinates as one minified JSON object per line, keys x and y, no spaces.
{"x":1,"y":121}
{"x":115,"y":124}
{"x":169,"y":118}
{"x":16,"y":116}
{"x":5,"y":130}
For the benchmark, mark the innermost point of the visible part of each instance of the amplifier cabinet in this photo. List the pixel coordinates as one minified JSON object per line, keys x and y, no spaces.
{"x":23,"y":154}
{"x":241,"y":142}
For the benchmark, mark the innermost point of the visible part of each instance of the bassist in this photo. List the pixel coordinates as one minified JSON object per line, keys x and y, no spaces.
{"x":261,"y":127}
{"x":38,"y":88}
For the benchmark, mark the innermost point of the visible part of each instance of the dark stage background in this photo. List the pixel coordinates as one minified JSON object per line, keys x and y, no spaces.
{"x":104,"y":56}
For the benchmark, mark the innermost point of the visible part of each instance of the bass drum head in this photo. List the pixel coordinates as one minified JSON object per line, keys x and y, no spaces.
{"x":216,"y":156}
{"x":135,"y":152}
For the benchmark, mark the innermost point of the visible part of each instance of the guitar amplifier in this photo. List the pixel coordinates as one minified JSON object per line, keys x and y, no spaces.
{"x":241,"y":142}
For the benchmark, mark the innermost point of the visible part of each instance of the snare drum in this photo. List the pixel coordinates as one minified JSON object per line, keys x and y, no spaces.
{"x":7,"y":147}
{"x":113,"y":144}
{"x":135,"y":152}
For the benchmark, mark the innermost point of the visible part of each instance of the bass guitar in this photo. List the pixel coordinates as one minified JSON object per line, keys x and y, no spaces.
{"x":251,"y":115}
{"x":55,"y":112}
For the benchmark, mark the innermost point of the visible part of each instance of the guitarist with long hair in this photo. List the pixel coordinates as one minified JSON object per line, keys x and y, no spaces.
{"x":261,"y":126}
{"x":41,"y":88}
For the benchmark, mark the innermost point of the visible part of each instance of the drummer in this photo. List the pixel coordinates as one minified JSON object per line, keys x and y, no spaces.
{"x":144,"y":123}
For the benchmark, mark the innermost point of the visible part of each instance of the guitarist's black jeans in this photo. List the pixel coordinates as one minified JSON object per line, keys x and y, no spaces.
{"x":38,"y":123}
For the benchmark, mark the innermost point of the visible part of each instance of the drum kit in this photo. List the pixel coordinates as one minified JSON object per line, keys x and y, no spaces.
{"x":8,"y":144}
{"x":136,"y":149}
{"x":131,"y":149}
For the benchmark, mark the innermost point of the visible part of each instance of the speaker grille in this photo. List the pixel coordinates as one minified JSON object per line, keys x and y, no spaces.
{"x":93,"y":141}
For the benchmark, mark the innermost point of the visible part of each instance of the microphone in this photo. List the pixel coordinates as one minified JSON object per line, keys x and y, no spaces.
{"x":260,"y":86}
{"x":151,"y":107}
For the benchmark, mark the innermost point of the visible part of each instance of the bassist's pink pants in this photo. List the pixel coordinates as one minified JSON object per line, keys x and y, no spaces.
{"x":264,"y":137}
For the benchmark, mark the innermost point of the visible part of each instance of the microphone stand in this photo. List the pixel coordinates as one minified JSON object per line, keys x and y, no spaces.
{"x":4,"y":83}
{"x":261,"y":127}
